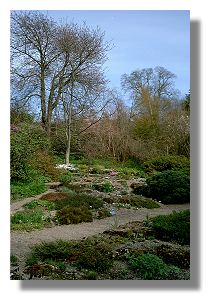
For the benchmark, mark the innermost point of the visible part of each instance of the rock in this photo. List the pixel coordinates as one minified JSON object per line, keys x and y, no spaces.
{"x":138,"y":185}
{"x":69,"y":167}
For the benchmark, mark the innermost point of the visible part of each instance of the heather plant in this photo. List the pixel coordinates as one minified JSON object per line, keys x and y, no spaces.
{"x":97,"y":257}
{"x":74,"y":215}
{"x":79,"y":199}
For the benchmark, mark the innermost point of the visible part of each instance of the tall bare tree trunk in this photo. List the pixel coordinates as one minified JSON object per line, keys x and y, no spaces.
{"x":68,"y":148}
{"x":69,"y":120}
{"x":43,"y":99}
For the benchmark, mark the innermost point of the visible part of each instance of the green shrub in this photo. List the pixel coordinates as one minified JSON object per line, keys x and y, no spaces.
{"x":105,"y":187}
{"x":151,"y":267}
{"x":168,"y":187}
{"x":13,"y":260}
{"x":65,"y":178}
{"x":31,"y":260}
{"x":143,"y":202}
{"x":91,"y":275}
{"x":79,"y":199}
{"x":89,"y":254}
{"x":173,"y":227}
{"x":74,"y":215}
{"x":59,"y":250}
{"x":167,"y":162}
{"x":23,"y":145}
{"x":45,"y":162}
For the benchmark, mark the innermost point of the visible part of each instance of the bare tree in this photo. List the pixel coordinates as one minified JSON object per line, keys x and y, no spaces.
{"x":87,"y":105}
{"x":48,"y":58}
{"x":155,"y":84}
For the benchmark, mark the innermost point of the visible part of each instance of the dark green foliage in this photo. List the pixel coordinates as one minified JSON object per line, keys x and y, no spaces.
{"x":74,"y":215}
{"x":91,"y":275}
{"x":167,"y":162}
{"x":168,"y":187}
{"x":97,"y":257}
{"x":79,"y":199}
{"x":13,"y":260}
{"x":88,"y":254}
{"x":65,"y":178}
{"x":173,"y":227}
{"x":151,"y":267}
{"x":178,"y":256}
{"x":31,"y":260}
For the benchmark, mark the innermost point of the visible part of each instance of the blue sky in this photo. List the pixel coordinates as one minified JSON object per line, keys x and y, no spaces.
{"x":142,"y":39}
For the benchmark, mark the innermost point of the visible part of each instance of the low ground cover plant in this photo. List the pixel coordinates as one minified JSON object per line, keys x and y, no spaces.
{"x":137,"y":201}
{"x":49,"y":205}
{"x":151,"y":267}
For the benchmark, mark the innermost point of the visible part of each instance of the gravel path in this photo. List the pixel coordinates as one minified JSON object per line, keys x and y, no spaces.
{"x":21,"y":242}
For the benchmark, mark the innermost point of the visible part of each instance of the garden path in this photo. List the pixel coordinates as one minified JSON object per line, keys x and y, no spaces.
{"x":22,"y":242}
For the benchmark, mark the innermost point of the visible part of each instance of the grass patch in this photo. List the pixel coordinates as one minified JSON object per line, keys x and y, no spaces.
{"x":28,"y":220}
{"x":27,"y":189}
{"x":41,"y":204}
